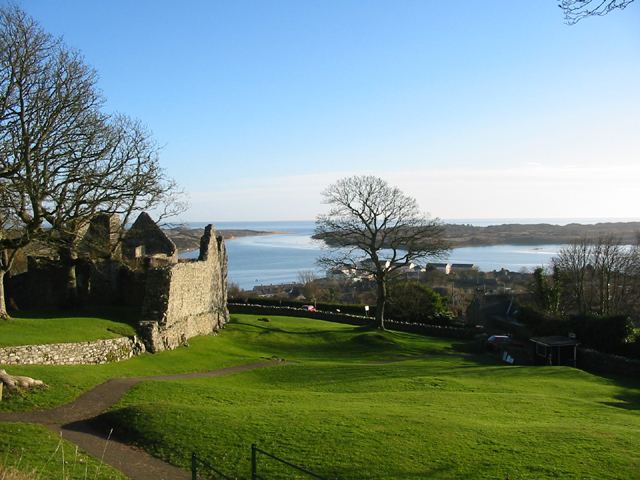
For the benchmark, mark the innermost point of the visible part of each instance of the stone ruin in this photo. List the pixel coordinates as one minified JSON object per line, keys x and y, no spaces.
{"x":188,"y":298}
{"x":176,"y":298}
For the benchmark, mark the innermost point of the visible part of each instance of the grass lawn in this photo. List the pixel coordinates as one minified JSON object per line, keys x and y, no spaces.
{"x":356,"y":403}
{"x":31,"y":330}
{"x":36,"y":451}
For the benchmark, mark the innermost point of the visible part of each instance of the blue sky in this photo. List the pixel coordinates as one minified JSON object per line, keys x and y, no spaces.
{"x":479,"y":109}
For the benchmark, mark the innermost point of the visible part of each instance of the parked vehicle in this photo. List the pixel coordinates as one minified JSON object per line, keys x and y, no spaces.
{"x":309,"y":308}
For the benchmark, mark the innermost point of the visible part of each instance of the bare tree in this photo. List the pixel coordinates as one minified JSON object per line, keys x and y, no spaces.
{"x":48,"y":105}
{"x":62,"y":160}
{"x":576,"y":10}
{"x":309,"y":286}
{"x":600,"y":276}
{"x":573,"y":263}
{"x":126,"y":180}
{"x":375,"y":230}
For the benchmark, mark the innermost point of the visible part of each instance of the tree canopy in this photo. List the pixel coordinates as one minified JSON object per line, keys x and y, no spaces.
{"x":415,"y":302}
{"x":375,"y":230}
{"x":62,"y":158}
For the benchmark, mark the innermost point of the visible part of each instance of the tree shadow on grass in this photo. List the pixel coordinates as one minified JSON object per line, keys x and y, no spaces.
{"x":352,"y":343}
{"x":629,"y":396}
{"x":127,"y":315}
{"x":627,"y":401}
{"x":268,"y":328}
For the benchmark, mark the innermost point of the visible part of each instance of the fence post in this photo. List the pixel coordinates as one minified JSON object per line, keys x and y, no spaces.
{"x":194,"y":467}
{"x":254,"y":462}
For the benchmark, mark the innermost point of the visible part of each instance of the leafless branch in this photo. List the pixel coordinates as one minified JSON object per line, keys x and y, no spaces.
{"x":576,"y":10}
{"x":374,"y":229}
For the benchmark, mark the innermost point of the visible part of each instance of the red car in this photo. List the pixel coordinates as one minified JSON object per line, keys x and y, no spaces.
{"x":309,"y":308}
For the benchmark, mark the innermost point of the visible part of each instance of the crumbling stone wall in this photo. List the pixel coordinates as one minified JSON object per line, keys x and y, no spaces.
{"x":101,"y":240}
{"x":177,"y":300}
{"x":145,"y":239}
{"x":81,"y":353}
{"x":186,"y":299}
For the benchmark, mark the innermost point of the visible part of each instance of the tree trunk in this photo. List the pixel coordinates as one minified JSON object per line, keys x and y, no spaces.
{"x":72,"y":285}
{"x":3,"y":306}
{"x":69,"y":262}
{"x":381,"y":300}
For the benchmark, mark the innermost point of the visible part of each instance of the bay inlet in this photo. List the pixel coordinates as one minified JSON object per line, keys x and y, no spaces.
{"x":278,"y":258}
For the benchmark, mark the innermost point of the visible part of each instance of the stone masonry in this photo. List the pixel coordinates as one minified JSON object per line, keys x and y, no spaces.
{"x":186,"y":299}
{"x":81,"y":353}
{"x":177,"y":299}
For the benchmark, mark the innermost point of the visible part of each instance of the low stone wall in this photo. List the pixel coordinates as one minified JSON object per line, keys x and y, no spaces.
{"x":82,"y":353}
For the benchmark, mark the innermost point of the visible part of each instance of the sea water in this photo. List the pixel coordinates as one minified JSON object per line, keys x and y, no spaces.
{"x":280,"y":257}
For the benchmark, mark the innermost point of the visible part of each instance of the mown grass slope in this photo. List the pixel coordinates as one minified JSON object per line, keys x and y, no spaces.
{"x":44,"y":329}
{"x":354,"y":403}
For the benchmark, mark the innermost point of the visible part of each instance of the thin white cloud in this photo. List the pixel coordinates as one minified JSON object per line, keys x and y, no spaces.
{"x":519,"y":191}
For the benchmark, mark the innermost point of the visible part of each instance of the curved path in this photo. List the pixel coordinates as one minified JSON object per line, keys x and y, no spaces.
{"x":73,"y":422}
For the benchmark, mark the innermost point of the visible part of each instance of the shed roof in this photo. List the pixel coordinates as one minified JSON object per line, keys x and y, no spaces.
{"x":555,"y":341}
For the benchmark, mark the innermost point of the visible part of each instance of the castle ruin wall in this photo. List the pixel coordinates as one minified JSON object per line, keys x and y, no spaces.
{"x":186,"y":299}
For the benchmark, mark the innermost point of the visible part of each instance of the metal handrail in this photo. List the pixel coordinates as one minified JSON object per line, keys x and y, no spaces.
{"x":254,"y":464}
{"x":194,"y":468}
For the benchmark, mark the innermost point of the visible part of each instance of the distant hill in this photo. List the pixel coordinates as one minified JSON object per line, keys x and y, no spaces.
{"x":534,"y":234}
{"x":538,"y":234}
{"x":189,"y":238}
{"x":466,"y":235}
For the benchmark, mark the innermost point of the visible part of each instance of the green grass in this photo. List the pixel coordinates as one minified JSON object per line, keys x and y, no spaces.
{"x":24,"y":330}
{"x":355,"y":403}
{"x":244,"y":341}
{"x":41,"y":454}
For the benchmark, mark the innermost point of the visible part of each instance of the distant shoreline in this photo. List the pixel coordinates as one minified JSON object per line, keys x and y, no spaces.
{"x":460,"y":235}
{"x":539,"y":234}
{"x":188,"y":239}
{"x":534,"y":234}
{"x":239,"y":233}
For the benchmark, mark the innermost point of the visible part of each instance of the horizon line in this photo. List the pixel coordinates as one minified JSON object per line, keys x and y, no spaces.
{"x":592,"y":219}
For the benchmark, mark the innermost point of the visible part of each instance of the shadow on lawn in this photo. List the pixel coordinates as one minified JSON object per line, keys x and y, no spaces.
{"x":627,"y":401}
{"x":629,"y":396}
{"x":117,"y":314}
{"x":350,"y":343}
{"x":268,"y":328}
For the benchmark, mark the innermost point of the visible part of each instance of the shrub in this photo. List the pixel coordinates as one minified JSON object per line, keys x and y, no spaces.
{"x":605,"y":333}
{"x":542,"y":324}
{"x":417,"y":303}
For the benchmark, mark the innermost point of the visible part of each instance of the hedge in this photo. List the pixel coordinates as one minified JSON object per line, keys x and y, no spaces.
{"x":352,"y":309}
{"x":598,"y":362}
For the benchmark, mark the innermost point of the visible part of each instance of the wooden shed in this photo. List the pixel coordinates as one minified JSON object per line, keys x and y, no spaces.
{"x":555,"y":350}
